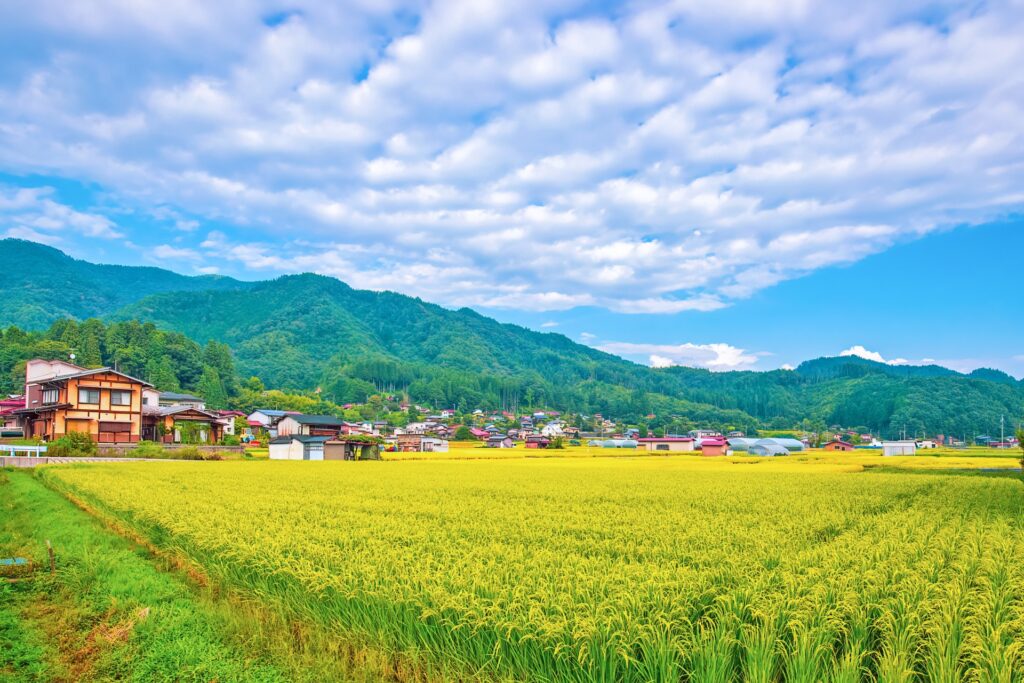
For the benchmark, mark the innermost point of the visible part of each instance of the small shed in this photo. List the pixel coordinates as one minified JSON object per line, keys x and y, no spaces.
{"x":713,"y":447}
{"x":766,"y":450}
{"x":499,"y":441}
{"x":297,"y":447}
{"x":671,"y":444}
{"x":351,"y":449}
{"x":838,"y":446}
{"x":899,"y":448}
{"x":537,"y":442}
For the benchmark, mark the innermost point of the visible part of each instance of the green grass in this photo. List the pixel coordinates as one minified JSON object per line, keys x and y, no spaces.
{"x":113,"y":611}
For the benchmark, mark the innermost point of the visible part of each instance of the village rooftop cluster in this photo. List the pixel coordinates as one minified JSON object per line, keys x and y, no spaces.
{"x":118,"y":411}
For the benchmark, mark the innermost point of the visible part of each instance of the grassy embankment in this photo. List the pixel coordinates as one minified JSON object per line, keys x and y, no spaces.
{"x":114,"y":611}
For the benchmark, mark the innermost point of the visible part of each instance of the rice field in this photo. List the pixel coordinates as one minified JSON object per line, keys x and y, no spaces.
{"x":607,"y":569}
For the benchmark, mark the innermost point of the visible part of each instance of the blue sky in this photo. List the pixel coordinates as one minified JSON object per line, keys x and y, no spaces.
{"x":658,"y":179}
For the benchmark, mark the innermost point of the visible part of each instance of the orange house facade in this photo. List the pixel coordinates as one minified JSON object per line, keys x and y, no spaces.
{"x":61,"y":397}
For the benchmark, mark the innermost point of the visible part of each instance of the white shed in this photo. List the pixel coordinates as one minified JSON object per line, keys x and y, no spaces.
{"x":899,"y":448}
{"x":297,"y":447}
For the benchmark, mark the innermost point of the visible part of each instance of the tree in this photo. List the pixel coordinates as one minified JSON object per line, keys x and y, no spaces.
{"x":211,"y":388}
{"x":463,"y":434}
{"x":160,"y":373}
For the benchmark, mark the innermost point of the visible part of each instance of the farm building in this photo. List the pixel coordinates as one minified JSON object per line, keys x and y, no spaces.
{"x":838,"y":446}
{"x":419,"y":443}
{"x":181,"y":424}
{"x":672,"y":444}
{"x":499,"y":441}
{"x":297,"y":447}
{"x":341,"y":448}
{"x":766,"y":450}
{"x":537,"y":441}
{"x":310,"y":425}
{"x":740,"y":443}
{"x":711,"y":447}
{"x":788,"y":444}
{"x":899,"y":448}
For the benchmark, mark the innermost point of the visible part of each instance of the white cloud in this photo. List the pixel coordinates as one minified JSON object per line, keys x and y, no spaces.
{"x":549,"y":324}
{"x":861,"y":352}
{"x":34,"y":215}
{"x":659,"y":158}
{"x":166,"y":251}
{"x":717,"y":356}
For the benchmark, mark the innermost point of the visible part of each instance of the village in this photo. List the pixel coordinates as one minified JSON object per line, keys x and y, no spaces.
{"x":118,"y":412}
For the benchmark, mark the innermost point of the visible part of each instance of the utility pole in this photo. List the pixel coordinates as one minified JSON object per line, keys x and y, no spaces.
{"x":1002,"y":430}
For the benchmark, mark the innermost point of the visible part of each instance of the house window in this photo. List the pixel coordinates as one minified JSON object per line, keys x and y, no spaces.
{"x":50,"y":396}
{"x":89,"y":396}
{"x":120,"y":398}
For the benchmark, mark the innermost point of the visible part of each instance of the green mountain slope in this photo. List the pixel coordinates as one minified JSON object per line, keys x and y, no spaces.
{"x":309,"y":332}
{"x":41,"y":284}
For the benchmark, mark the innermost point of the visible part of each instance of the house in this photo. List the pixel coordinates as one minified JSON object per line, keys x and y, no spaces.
{"x":499,"y":441}
{"x":347,"y":448}
{"x":712,"y":447}
{"x":672,"y":444}
{"x":836,"y":445}
{"x":928,"y":443}
{"x":552,"y":429}
{"x":297,"y":447}
{"x":181,"y":424}
{"x":310,"y":425}
{"x":767,"y":450}
{"x":62,"y":397}
{"x":479,"y":433}
{"x":228,"y":418}
{"x":734,"y":435}
{"x":419,"y":443}
{"x":537,"y":441}
{"x":899,"y":448}
{"x":173,"y":398}
{"x":704,"y":434}
{"x":267,"y":419}
{"x":9,"y":425}
{"x":447,"y":414}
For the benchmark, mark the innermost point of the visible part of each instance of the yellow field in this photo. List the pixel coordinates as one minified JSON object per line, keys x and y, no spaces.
{"x":608,"y":569}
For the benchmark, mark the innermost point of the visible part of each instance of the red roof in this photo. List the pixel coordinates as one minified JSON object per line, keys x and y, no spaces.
{"x":712,"y":442}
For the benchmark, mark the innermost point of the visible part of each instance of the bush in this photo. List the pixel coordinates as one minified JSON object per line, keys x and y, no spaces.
{"x":72,"y":445}
{"x":148,"y":449}
{"x":187,"y":453}
{"x":230,"y":440}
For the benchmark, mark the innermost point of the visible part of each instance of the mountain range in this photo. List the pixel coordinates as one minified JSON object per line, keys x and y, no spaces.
{"x":310,"y":332}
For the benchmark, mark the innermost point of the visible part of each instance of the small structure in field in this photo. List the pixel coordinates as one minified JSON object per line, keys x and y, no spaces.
{"x":766,"y":450}
{"x":297,"y":447}
{"x":788,"y":444}
{"x":500,"y":441}
{"x":838,"y":446}
{"x":899,"y":448}
{"x":713,"y":447}
{"x":537,"y":441}
{"x":420,"y":443}
{"x":348,"y":448}
{"x":740,"y":443}
{"x":617,"y":443}
{"x":671,"y":444}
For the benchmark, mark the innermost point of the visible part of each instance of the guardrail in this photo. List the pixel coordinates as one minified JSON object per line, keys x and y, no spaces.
{"x":22,"y":451}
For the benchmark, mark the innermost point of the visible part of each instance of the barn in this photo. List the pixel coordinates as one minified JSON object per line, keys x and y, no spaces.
{"x":671,"y":444}
{"x":713,"y":446}
{"x":838,"y":446}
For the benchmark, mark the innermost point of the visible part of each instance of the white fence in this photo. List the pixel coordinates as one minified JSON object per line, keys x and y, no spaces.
{"x":30,"y":451}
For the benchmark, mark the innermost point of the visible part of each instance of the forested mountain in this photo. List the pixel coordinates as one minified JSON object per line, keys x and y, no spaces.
{"x":41,"y":284}
{"x":316,"y":334}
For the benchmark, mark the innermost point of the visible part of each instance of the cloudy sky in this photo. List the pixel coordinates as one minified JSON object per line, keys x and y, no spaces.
{"x":659,"y":179}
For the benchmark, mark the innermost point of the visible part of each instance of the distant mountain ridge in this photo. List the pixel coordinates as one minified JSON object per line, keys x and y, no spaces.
{"x":311,"y":332}
{"x":41,"y":284}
